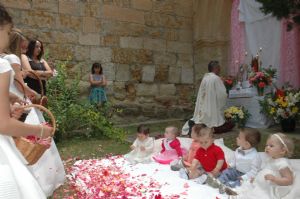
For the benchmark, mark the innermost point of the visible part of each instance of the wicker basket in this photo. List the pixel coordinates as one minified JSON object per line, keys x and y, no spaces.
{"x":33,"y":151}
{"x":42,"y":100}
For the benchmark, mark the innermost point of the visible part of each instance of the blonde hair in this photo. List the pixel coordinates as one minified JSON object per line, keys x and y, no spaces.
{"x":286,"y":142}
{"x":15,"y":39}
{"x":204,"y":132}
{"x":173,"y":130}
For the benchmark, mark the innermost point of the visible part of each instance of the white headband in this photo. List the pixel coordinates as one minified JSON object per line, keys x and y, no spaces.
{"x":281,"y":140}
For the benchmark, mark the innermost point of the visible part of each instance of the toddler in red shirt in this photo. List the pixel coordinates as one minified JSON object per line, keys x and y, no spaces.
{"x":209,"y":160}
{"x":171,"y":147}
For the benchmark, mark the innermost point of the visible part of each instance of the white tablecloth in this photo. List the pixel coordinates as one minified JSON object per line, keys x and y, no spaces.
{"x":257,"y":119}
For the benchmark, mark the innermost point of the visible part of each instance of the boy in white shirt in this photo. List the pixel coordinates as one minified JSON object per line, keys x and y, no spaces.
{"x":247,"y":161}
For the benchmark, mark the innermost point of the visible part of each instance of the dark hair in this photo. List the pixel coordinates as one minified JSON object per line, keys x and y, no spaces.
{"x":96,"y":65}
{"x":197,"y":128}
{"x":31,"y":47}
{"x":5,"y":18}
{"x":143,"y":129}
{"x":212,"y":65}
{"x":252,"y":136}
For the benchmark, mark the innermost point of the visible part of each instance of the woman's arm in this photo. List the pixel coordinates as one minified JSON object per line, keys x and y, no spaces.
{"x":93,"y":82}
{"x":11,"y":126}
{"x":48,"y":73}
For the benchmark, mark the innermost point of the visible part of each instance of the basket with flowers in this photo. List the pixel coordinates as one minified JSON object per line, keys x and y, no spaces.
{"x":238,"y":115}
{"x":260,"y":80}
{"x":228,"y":82}
{"x":283,"y":106}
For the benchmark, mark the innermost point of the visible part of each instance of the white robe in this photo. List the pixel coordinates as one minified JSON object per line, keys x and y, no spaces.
{"x":210,"y":102}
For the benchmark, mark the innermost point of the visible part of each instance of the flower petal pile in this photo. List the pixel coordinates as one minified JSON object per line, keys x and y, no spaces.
{"x":107,"y":179}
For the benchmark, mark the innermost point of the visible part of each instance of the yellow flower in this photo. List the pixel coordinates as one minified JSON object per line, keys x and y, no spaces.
{"x":295,"y":109}
{"x":272,"y":111}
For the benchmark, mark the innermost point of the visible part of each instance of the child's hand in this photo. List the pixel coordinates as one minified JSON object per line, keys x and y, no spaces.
{"x":143,"y":148}
{"x":270,"y":177}
{"x":215,"y":172}
{"x":132,"y":147}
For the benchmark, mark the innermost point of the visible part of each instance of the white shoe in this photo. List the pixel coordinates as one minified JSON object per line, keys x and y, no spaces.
{"x":201,"y":179}
{"x":183,"y":173}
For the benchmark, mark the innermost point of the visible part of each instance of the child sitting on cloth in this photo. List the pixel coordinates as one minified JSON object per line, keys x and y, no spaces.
{"x":187,"y":159}
{"x":171,"y":148}
{"x":142,"y":147}
{"x":247,"y":161}
{"x":209,"y":158}
{"x":277,"y":176}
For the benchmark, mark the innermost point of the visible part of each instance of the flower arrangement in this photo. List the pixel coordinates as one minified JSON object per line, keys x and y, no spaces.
{"x":283,"y":104}
{"x":238,"y":115}
{"x":260,"y":80}
{"x":228,"y":82}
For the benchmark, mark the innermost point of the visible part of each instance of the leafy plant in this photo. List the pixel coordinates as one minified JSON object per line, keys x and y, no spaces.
{"x":74,"y":116}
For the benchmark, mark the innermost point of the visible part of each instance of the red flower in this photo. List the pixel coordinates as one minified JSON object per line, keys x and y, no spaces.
{"x":157,"y":196}
{"x":261,"y":84}
{"x":279,"y":93}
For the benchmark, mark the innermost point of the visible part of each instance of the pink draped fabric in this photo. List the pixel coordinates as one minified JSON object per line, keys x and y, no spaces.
{"x":237,"y":43}
{"x":290,"y":56}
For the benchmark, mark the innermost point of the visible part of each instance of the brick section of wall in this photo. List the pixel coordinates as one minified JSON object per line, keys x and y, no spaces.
{"x":145,"y":46}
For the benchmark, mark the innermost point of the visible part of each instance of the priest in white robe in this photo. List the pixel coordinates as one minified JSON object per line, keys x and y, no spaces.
{"x":211,"y":99}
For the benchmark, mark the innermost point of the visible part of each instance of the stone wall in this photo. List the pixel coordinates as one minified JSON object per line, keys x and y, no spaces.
{"x":145,"y":47}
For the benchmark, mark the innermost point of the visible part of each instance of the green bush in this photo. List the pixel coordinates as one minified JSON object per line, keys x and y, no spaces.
{"x":74,"y":116}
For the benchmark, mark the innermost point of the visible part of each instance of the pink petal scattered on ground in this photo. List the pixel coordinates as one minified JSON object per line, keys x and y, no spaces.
{"x":186,"y":185}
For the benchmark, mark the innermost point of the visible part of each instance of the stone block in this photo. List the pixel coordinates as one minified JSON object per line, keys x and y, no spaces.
{"x":102,"y":55}
{"x":123,"y":28}
{"x":91,"y":39}
{"x":67,"y":22}
{"x":162,"y":20}
{"x":187,"y":76}
{"x":136,"y":73}
{"x":82,"y":53}
{"x":84,"y":88}
{"x":167,"y":89}
{"x":51,"y":6}
{"x":122,"y":14}
{"x":149,"y":110}
{"x":109,"y":41}
{"x":147,"y":89}
{"x":122,"y":72}
{"x":142,"y":4}
{"x":166,"y":101}
{"x":186,"y":35}
{"x":119,"y":91}
{"x":119,"y":3}
{"x":184,"y":8}
{"x":185,"y":60}
{"x":164,"y":58}
{"x":109,"y":71}
{"x":179,"y":47}
{"x":155,"y":44}
{"x":148,"y":73}
{"x":69,"y":7}
{"x":130,"y":90}
{"x":38,"y":19}
{"x":166,"y":7}
{"x":174,"y":75}
{"x":20,"y":4}
{"x":61,"y":51}
{"x":171,"y":35}
{"x":131,"y":42}
{"x":91,"y":24}
{"x":91,"y":9}
{"x":185,"y":92}
{"x":64,"y":37}
{"x":131,"y":56}
{"x":161,"y":73}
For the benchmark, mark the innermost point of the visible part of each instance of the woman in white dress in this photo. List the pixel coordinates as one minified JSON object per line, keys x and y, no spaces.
{"x":275,"y":180}
{"x":16,"y":181}
{"x":49,"y":170}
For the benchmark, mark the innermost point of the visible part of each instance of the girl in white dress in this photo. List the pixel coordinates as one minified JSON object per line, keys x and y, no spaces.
{"x":49,"y":170}
{"x":142,"y":147}
{"x":15,"y":179}
{"x":275,"y":179}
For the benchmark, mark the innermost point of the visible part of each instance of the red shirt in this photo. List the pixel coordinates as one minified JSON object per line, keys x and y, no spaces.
{"x":208,"y":158}
{"x":175,"y":144}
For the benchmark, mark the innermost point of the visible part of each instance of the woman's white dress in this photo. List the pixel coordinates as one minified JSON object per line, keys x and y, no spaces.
{"x":264,"y":189}
{"x":139,"y":156}
{"x":16,"y":181}
{"x":49,"y":169}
